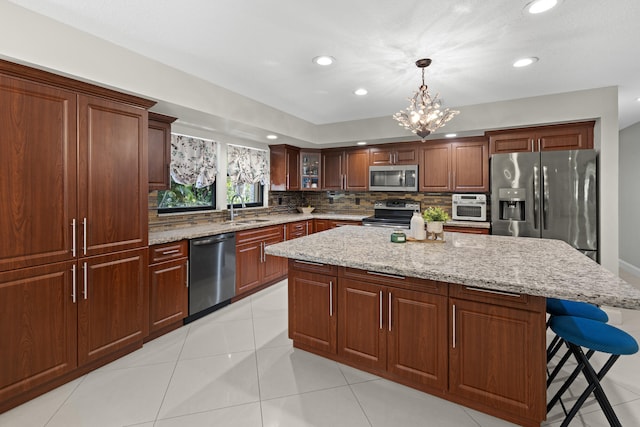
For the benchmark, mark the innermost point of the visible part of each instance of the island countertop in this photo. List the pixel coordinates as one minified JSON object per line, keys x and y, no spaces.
{"x":540,"y":267}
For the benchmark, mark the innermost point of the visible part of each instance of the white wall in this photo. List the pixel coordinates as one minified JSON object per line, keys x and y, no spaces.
{"x":630,"y":198}
{"x":31,"y":39}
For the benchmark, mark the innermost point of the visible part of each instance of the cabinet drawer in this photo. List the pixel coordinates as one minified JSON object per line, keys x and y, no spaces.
{"x":404,"y":282}
{"x":258,"y":234}
{"x":168,"y":251}
{"x":468,"y":230}
{"x":313,"y":267}
{"x":503,"y":298}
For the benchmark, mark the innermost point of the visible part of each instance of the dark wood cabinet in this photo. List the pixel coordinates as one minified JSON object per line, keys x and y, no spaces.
{"x":570,"y":136}
{"x":312,"y":305}
{"x":394,"y":154}
{"x":38,"y":166}
{"x":327,"y":224}
{"x":39,"y":326}
{"x":111,"y":305}
{"x":299,"y":229}
{"x":284,"y":168}
{"x":497,"y":351}
{"x":75,"y":273}
{"x":345,"y":169}
{"x":112,"y":171}
{"x":159,"y":151}
{"x":460,"y":165}
{"x":310,"y":170}
{"x":168,"y":287}
{"x":254,"y":268}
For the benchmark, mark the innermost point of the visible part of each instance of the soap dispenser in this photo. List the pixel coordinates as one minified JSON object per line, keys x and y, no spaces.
{"x":417,"y":226}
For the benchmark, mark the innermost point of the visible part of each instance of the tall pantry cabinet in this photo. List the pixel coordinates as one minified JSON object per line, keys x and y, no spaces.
{"x":73,"y":221}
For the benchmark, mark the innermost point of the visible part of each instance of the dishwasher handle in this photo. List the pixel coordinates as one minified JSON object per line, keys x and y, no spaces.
{"x":211,"y":240}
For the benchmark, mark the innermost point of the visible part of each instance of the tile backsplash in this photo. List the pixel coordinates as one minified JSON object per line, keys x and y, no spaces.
{"x":339,"y":202}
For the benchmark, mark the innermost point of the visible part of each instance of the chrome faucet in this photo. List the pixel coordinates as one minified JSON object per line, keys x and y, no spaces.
{"x":233,"y":214}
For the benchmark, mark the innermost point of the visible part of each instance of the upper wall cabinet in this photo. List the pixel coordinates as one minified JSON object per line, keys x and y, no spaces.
{"x":571,"y":136}
{"x":394,"y":154}
{"x":345,"y":169}
{"x":284,"y":167}
{"x":460,"y":165}
{"x":159,"y":151}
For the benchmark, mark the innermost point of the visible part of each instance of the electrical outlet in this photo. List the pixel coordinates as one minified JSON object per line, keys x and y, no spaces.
{"x":357,"y":200}
{"x":330,"y":200}
{"x":279,"y":200}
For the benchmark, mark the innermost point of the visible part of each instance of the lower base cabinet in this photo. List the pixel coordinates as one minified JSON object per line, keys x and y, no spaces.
{"x":168,"y":287}
{"x":67,"y":316}
{"x":254,"y":268}
{"x":479,"y":348}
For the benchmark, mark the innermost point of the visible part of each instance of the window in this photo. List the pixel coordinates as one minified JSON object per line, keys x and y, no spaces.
{"x":193,"y":175}
{"x":186,"y":198}
{"x":248,"y":172}
{"x":251,"y":194}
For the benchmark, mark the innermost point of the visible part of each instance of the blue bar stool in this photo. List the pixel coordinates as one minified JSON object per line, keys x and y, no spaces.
{"x":561,"y":307}
{"x":593,"y":335}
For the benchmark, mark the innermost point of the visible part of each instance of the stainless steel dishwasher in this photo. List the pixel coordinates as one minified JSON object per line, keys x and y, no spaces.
{"x":212,"y":273}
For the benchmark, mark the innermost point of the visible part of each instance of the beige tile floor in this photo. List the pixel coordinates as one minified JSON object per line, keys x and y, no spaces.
{"x":237,"y":368}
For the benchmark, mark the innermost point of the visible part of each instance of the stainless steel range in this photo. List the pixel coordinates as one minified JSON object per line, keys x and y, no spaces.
{"x":394,"y":213}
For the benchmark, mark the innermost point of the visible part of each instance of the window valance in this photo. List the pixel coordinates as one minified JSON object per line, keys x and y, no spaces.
{"x":247,"y":165}
{"x":193,"y":161}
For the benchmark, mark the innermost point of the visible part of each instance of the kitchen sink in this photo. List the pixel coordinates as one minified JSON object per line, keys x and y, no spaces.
{"x":246,"y":221}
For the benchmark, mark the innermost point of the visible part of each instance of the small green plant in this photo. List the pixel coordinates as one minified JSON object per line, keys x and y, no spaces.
{"x":435,"y":214}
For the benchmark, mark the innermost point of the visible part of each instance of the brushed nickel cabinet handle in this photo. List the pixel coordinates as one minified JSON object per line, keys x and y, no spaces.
{"x":84,"y":268}
{"x":380,"y":296}
{"x":394,"y":276}
{"x":73,"y":283}
{"x":454,"y":326}
{"x":309,"y":263}
{"x":187,"y":274}
{"x":174,"y":251}
{"x":331,"y":298}
{"x":84,"y":236}
{"x":389,"y":320}
{"x":73,"y":238}
{"x":490,"y":291}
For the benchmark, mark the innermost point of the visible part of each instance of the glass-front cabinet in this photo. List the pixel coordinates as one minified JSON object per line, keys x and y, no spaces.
{"x":310,"y":170}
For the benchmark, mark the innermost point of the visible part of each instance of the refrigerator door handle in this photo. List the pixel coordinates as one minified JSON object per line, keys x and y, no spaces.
{"x":536,"y":196}
{"x":545,"y":198}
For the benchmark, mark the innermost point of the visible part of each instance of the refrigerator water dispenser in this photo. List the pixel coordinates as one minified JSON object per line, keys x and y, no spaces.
{"x":512,"y":204}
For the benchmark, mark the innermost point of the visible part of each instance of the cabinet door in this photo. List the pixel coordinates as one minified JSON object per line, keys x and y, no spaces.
{"x":248,"y":266}
{"x":284,"y":167}
{"x":321,"y":225}
{"x":38,"y":327}
{"x":112,"y":175}
{"x":274,"y":267}
{"x":110,"y":307}
{"x":168,"y":294}
{"x":576,"y":137}
{"x":293,"y":169}
{"x":159,"y":151}
{"x":497,"y":357}
{"x":511,"y":142}
{"x":356,"y":169}
{"x":361,"y":324}
{"x":435,"y":167}
{"x":332,"y":175}
{"x":38,"y":170}
{"x":470,"y":164}
{"x":417,"y":337}
{"x":312,"y":310}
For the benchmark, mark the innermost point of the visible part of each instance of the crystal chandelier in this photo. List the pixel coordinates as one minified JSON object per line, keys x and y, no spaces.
{"x":423,"y":115}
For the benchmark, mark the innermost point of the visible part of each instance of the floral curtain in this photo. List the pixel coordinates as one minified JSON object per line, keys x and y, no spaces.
{"x":193,"y":161}
{"x":247,"y":165}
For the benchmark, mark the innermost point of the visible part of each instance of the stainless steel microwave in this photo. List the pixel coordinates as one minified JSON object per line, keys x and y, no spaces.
{"x":393,"y":178}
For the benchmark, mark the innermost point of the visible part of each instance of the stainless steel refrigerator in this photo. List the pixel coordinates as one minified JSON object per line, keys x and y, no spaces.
{"x":549,"y":194}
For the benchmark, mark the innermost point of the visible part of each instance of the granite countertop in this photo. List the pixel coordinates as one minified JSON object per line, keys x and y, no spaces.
{"x":542,"y":267}
{"x":166,"y":236}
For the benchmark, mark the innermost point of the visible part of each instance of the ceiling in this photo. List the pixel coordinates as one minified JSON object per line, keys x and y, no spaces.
{"x":264,"y":49}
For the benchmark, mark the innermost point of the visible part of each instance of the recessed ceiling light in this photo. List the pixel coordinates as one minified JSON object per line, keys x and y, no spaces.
{"x":361,"y":142}
{"x":539,"y":6}
{"x":361,"y":91}
{"x":451,"y":135}
{"x":524,"y":62}
{"x":324,"y":60}
{"x":272,"y":136}
{"x":638,"y":99}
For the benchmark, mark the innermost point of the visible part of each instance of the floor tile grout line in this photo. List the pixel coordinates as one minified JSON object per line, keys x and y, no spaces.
{"x":84,"y":377}
{"x":205,"y":411}
{"x":175,"y":366}
{"x":255,"y":355}
{"x":358,"y":401}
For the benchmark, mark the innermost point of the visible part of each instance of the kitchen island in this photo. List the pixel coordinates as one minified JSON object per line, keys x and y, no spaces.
{"x":463,"y":319}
